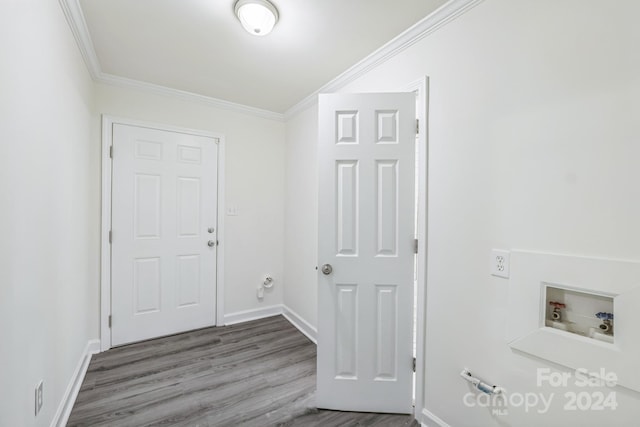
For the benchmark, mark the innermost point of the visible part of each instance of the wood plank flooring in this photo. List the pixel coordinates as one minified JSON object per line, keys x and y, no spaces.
{"x":260,"y":373}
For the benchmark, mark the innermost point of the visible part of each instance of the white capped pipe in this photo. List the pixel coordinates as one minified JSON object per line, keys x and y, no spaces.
{"x":268,"y":282}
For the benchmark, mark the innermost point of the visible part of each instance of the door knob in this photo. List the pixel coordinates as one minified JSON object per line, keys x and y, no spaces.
{"x":211,"y":243}
{"x":327,"y":269}
{"x":211,"y":230}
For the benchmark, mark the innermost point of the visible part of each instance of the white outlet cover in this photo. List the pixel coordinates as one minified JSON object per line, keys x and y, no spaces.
{"x":500,"y":263}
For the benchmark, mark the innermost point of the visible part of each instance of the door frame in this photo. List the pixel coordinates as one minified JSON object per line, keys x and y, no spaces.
{"x":105,"y":218}
{"x":421,"y":88}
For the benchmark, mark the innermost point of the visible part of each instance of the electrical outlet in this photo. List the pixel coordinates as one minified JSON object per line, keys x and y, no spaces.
{"x":500,"y":263}
{"x":39,"y":398}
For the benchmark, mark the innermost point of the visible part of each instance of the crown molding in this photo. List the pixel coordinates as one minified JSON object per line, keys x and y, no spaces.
{"x":432,"y":22}
{"x":73,"y":12}
{"x":75,"y":18}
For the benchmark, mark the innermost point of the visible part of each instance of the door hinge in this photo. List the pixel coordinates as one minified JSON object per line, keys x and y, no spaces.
{"x":414,"y":364}
{"x":111,"y":151}
{"x":415,"y":246}
{"x":110,"y":322}
{"x":417,"y":126}
{"x":110,"y":236}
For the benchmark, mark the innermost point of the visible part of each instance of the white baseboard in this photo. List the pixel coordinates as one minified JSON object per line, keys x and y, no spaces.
{"x":255,"y":314}
{"x":71,"y":393}
{"x":429,"y":419}
{"x":274,"y":310}
{"x":302,"y":325}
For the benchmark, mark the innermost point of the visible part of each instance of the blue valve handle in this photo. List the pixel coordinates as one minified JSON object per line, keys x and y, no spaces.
{"x":604,"y":316}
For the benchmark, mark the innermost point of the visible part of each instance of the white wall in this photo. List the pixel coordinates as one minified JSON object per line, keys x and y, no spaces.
{"x":254,"y":184}
{"x":533,"y":145}
{"x":49,"y":209}
{"x":301,"y":231}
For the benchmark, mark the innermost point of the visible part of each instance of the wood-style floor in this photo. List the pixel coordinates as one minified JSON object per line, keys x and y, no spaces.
{"x":259,"y":373}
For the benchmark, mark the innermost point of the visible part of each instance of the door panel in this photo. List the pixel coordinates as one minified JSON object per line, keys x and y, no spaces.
{"x":366,"y":232}
{"x":147,"y":206}
{"x":164,"y":200}
{"x":347,"y":207}
{"x":188,"y":281}
{"x":188,"y":206}
{"x":386,"y":332}
{"x":386,"y":207}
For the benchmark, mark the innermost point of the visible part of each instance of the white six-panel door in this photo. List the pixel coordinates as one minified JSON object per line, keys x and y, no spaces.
{"x":164,"y":204}
{"x":366,"y":235}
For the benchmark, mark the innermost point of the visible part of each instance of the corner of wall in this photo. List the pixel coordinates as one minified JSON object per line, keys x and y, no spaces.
{"x":73,"y":388}
{"x":303,"y":326}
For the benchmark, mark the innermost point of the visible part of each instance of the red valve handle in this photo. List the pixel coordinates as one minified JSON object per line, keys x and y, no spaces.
{"x":557,"y":304}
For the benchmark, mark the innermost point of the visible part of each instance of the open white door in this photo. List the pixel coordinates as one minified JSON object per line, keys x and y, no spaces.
{"x":366,"y":251}
{"x":164,"y":219}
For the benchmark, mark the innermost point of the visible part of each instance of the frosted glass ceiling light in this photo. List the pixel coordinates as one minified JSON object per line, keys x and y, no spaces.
{"x":256,"y":16}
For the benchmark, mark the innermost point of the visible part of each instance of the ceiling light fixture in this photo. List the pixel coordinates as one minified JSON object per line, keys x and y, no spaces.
{"x":258,"y":17}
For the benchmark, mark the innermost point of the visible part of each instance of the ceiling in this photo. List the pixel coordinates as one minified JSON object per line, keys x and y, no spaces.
{"x":199,"y":46}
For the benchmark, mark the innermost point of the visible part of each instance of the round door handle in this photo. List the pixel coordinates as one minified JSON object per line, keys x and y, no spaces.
{"x":211,"y":243}
{"x":327,"y":269}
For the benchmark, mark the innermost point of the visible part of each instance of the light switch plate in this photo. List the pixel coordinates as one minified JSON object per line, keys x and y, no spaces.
{"x":500,"y":263}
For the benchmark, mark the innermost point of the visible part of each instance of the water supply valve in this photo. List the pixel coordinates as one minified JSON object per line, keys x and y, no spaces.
{"x":556,"y":314}
{"x":606,"y":318}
